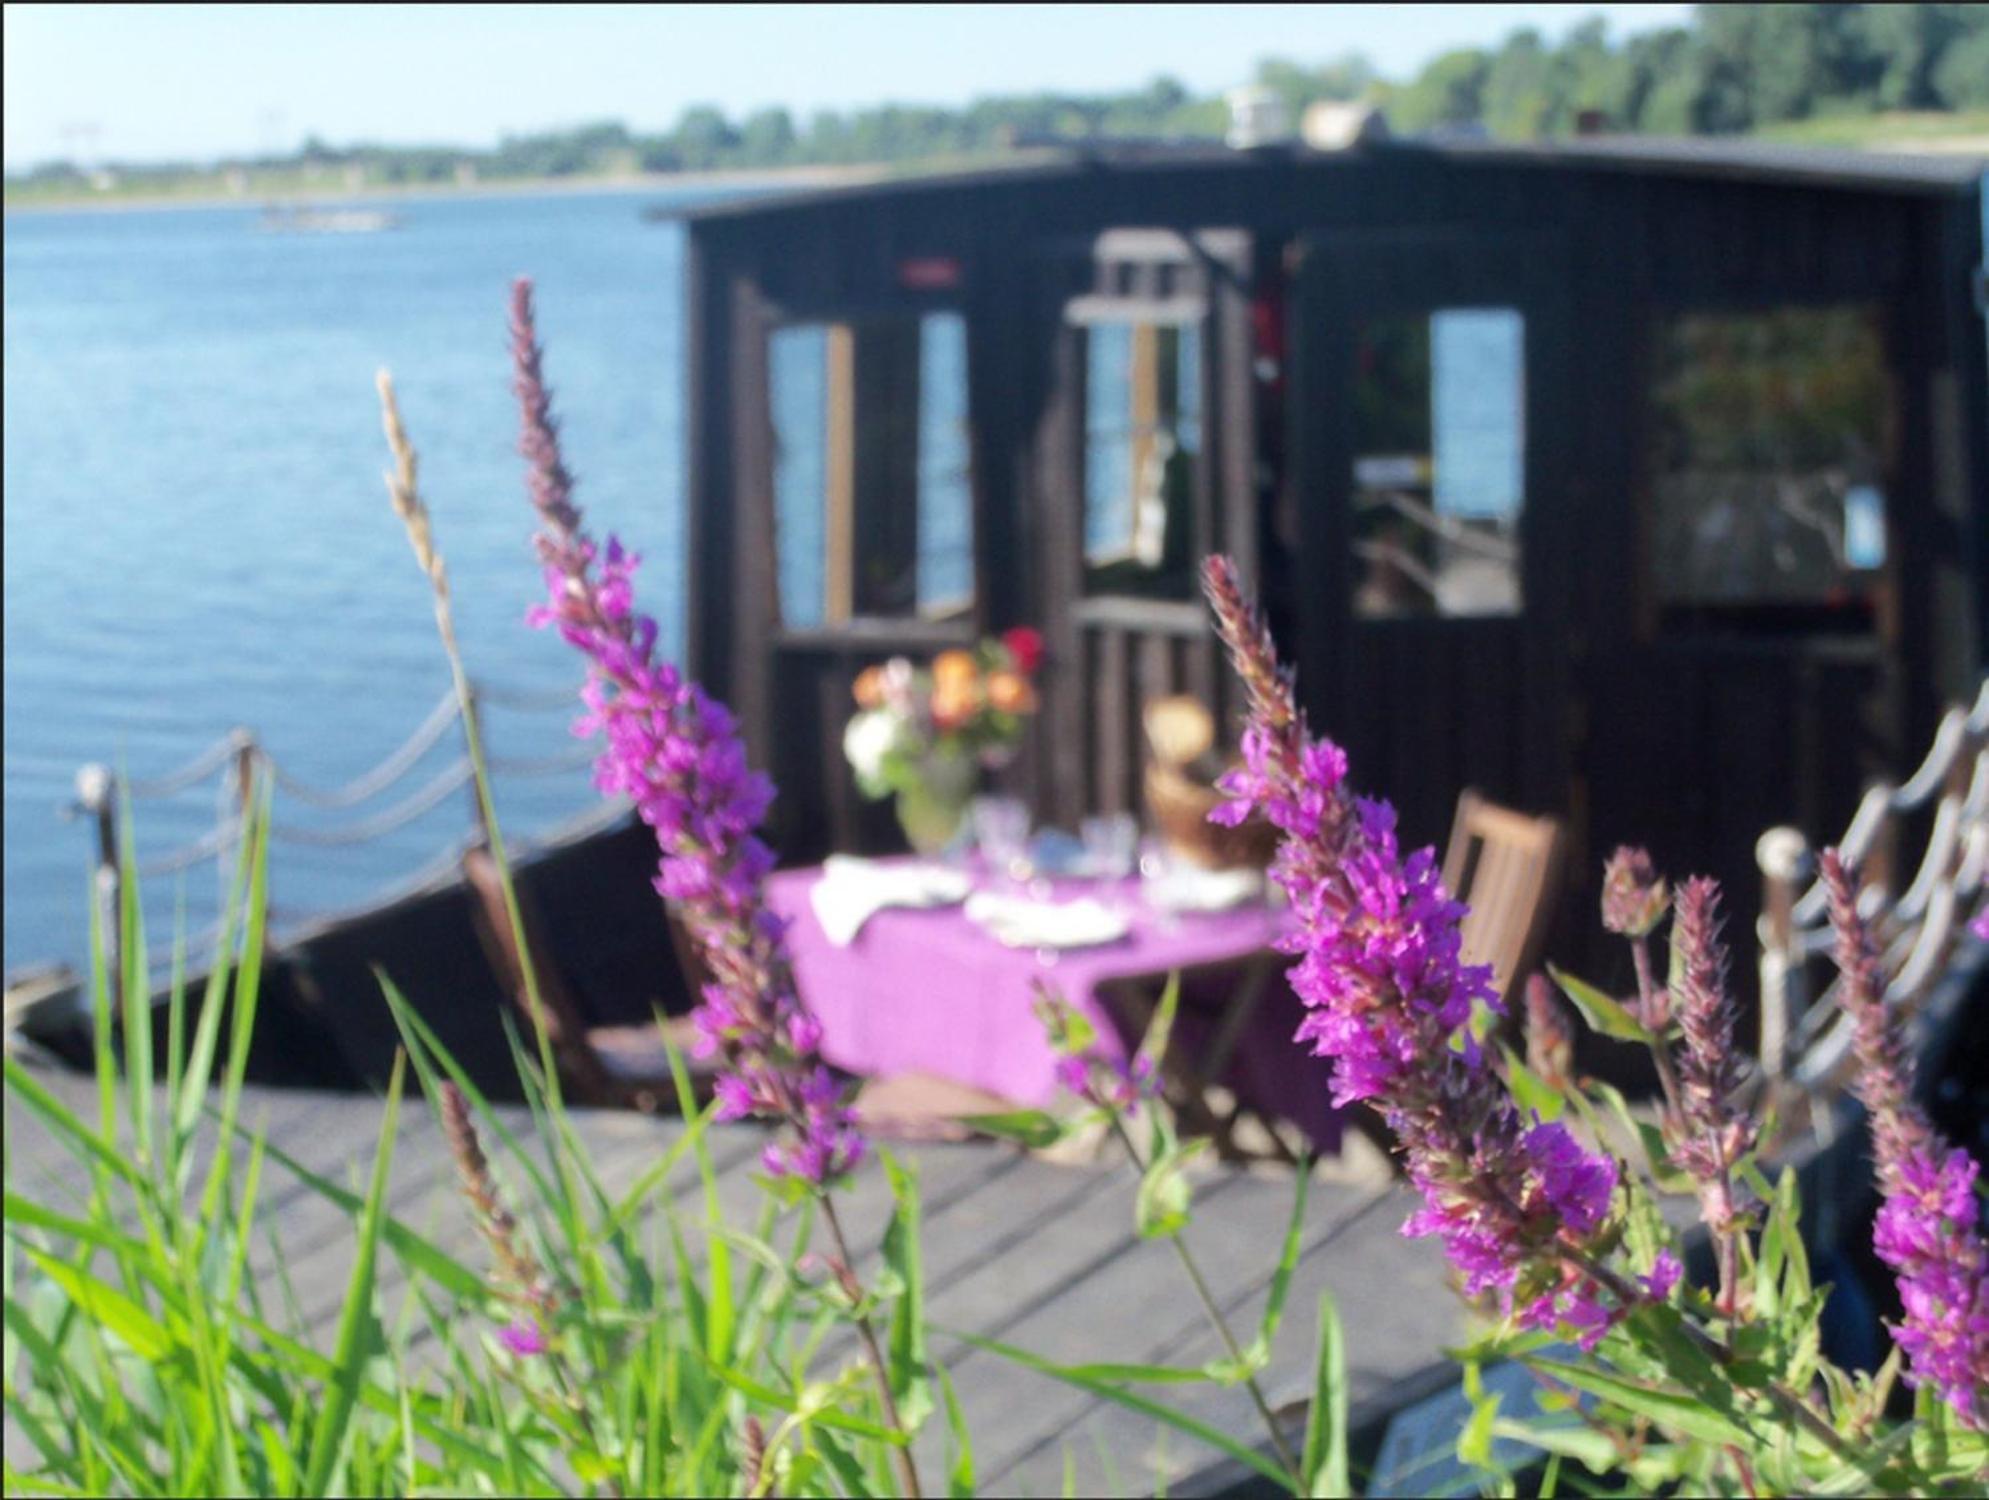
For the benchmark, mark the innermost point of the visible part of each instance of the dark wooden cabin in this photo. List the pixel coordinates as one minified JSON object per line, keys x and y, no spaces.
{"x":1640,"y":482}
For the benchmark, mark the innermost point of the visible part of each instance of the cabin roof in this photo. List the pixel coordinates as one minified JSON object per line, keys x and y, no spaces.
{"x":1941,"y":174}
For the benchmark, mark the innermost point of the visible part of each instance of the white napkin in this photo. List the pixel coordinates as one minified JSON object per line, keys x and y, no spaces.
{"x":1020,"y":922}
{"x":851,"y":891}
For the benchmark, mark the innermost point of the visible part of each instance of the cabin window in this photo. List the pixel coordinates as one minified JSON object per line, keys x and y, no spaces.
{"x":1770,"y":450}
{"x":1142,"y":455}
{"x":872,"y":506}
{"x":1439,"y":481}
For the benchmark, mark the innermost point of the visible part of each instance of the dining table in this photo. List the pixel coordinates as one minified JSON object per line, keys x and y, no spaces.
{"x":929,"y":990}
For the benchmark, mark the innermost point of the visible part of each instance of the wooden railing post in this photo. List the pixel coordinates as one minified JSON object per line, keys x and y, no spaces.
{"x":243,"y":769}
{"x":1786,"y":868}
{"x":96,"y":797}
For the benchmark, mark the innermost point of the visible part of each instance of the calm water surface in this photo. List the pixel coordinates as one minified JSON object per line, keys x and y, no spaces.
{"x":197,"y":536}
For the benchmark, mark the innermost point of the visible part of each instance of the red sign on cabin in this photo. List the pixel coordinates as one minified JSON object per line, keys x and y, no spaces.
{"x":929,"y":273}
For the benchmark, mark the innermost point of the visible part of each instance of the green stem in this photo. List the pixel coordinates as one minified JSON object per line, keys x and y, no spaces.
{"x":908,"y":1473}
{"x":1216,"y":1319}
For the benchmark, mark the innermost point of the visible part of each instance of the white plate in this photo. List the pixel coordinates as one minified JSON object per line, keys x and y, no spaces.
{"x":1018,"y":922}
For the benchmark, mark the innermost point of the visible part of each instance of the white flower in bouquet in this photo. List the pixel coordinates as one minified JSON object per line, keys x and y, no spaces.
{"x":871,"y":740}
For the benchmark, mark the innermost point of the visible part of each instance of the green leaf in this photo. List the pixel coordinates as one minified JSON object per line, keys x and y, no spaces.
{"x":356,"y":1335}
{"x":1258,"y":1354}
{"x":1474,"y":1440}
{"x":1679,"y":1413}
{"x":1034,"y":1128}
{"x":960,"y":1476}
{"x":1599,"y":1010}
{"x":1325,"y":1452}
{"x":1106,"y":1390}
{"x":1529,"y":1090}
{"x":828,"y":1416}
{"x":907,"y":1353}
{"x":1160,"y":1208}
{"x":1160,"y":1030}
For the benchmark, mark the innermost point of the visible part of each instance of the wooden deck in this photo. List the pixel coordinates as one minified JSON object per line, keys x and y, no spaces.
{"x":1039,"y":1255}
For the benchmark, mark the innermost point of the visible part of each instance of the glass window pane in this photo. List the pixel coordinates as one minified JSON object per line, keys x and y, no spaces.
{"x":1439,"y":481}
{"x":946,"y":522}
{"x":872,"y":490}
{"x":797,"y":376}
{"x":1142,"y":444}
{"x":1770,"y":455}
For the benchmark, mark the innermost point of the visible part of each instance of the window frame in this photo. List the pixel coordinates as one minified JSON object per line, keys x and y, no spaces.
{"x":1711,"y":624}
{"x":962,"y":621}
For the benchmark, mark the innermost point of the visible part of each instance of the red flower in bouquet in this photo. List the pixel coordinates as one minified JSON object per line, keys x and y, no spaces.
{"x":1025,"y":648}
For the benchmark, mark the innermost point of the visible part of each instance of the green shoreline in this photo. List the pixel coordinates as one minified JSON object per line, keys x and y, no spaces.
{"x":519,"y":187}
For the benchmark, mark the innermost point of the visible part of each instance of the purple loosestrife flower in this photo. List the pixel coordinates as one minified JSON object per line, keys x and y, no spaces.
{"x":1929,"y":1227}
{"x":1086,"y":1068}
{"x":1633,"y":893}
{"x":523,"y":1337}
{"x":676,"y":753}
{"x":516,"y":1270}
{"x":1390,"y":1001}
{"x":1711,"y":1135}
{"x":1980,"y":926}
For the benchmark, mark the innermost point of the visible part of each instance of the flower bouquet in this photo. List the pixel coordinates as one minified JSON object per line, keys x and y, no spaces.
{"x":922,"y":734}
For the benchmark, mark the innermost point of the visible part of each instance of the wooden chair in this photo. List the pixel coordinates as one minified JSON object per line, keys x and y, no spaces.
{"x":1506,"y":866}
{"x":617,"y":1066}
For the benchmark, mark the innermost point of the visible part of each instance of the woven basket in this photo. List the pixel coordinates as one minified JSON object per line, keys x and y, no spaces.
{"x":1180,"y":806}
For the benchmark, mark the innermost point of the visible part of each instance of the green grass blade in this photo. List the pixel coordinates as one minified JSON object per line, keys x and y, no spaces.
{"x":136,"y":988}
{"x":95,"y":1149}
{"x":207,"y":1029}
{"x":108,"y":1308}
{"x":414,"y":1251}
{"x":354,"y":1342}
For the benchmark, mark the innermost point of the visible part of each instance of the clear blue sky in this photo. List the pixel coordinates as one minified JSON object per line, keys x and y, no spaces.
{"x":166,"y":81}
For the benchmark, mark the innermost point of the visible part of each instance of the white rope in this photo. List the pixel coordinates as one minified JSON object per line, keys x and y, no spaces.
{"x":528,"y":700}
{"x":543,"y":765}
{"x":202,"y":766}
{"x":382,"y":776}
{"x":456,"y":775}
{"x":221,"y":836}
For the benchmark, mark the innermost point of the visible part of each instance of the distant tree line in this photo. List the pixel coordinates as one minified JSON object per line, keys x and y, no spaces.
{"x":1735,"y":68}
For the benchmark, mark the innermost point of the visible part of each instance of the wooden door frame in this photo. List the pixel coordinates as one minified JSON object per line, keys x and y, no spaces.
{"x":1126,"y":270}
{"x":1341,"y":275}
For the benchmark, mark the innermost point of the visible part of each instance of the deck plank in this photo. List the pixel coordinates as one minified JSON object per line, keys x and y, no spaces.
{"x":1041,"y":1255}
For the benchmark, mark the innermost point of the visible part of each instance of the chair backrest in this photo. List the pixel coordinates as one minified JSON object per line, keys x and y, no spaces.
{"x":1507,"y":866}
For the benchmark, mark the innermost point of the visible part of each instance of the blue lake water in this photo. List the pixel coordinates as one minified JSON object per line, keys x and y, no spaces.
{"x":196,"y":534}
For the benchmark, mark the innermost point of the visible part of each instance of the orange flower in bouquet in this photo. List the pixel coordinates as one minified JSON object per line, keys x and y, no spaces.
{"x":922,"y":734}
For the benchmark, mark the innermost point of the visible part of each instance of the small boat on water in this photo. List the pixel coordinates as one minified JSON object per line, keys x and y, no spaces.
{"x":299,"y":219}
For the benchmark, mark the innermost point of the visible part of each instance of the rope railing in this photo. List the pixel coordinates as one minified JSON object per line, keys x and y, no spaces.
{"x":454,"y":777}
{"x":1805,"y":1039}
{"x":235,"y":761}
{"x":217,"y":755}
{"x":368,"y":786}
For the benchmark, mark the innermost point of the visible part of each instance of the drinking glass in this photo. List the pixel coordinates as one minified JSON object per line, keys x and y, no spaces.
{"x":1111,"y":845}
{"x":1001,"y":832}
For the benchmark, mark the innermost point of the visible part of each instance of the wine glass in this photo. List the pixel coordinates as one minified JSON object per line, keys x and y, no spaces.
{"x":1001,"y":832}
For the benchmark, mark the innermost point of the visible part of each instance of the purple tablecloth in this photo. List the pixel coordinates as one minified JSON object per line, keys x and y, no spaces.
{"x":929,"y":991}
